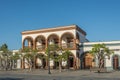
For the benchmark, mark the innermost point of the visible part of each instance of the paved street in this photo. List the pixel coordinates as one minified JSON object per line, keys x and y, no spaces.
{"x":56,"y":75}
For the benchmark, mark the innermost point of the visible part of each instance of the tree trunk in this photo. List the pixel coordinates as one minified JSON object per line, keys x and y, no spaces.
{"x":34,"y":63}
{"x":11,"y":64}
{"x":30,"y":67}
{"x":100,"y":65}
{"x":0,"y":62}
{"x":3,"y":64}
{"x":6,"y":64}
{"x":60,"y":65}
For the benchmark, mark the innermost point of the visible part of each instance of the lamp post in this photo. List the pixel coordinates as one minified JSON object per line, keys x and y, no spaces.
{"x":49,"y":62}
{"x":60,"y":62}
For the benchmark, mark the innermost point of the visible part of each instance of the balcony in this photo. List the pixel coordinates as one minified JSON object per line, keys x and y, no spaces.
{"x":28,"y":47}
{"x":67,"y":45}
{"x":40,"y":47}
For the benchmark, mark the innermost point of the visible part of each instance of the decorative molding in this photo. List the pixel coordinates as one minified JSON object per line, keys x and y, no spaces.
{"x":54,"y":30}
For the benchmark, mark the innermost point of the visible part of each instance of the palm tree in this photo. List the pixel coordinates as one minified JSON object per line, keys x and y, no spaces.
{"x":100,"y":51}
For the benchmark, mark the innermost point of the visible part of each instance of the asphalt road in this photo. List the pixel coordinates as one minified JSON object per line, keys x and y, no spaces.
{"x":56,"y":75}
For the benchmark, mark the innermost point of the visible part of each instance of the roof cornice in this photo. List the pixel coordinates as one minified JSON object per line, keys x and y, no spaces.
{"x":54,"y":29}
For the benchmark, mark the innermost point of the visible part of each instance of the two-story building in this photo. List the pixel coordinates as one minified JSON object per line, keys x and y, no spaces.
{"x":67,"y":37}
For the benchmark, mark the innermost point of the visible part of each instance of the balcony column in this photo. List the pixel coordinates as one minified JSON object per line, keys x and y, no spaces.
{"x":46,"y":45}
{"x":74,"y":43}
{"x":75,"y":63}
{"x":29,"y":43}
{"x":22,"y":44}
{"x":34,"y":44}
{"x":22,"y":63}
{"x":60,"y":42}
{"x":77,"y":60}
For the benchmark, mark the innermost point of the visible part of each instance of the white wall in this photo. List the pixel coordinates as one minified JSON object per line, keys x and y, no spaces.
{"x":109,"y":44}
{"x":112,"y":45}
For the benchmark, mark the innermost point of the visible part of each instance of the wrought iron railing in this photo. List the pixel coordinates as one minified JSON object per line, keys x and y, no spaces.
{"x":40,"y":47}
{"x":28,"y":46}
{"x":67,"y":45}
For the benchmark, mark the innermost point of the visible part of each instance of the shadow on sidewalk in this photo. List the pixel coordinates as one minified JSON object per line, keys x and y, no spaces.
{"x":11,"y":79}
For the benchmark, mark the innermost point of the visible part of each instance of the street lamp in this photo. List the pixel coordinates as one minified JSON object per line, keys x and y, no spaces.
{"x":60,"y":62}
{"x":49,"y":62}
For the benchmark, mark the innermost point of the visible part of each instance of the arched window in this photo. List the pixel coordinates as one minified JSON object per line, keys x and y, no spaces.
{"x":28,"y":42}
{"x":40,"y":42}
{"x":67,"y":40}
{"x":53,"y":39}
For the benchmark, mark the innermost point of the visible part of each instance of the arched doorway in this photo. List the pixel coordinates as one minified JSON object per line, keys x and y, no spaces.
{"x":55,"y":61}
{"x":56,"y":65}
{"x":87,"y":61}
{"x":71,"y":61}
{"x":115,"y":62}
{"x":40,"y":61}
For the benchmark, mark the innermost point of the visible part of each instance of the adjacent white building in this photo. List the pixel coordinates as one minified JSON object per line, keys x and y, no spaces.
{"x":114,"y":61}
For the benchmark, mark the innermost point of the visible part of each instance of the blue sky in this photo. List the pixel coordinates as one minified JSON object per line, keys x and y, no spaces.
{"x":99,"y":18}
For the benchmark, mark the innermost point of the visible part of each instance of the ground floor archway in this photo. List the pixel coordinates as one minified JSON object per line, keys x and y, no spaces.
{"x":71,"y":61}
{"x":115,"y":62}
{"x":40,"y":61}
{"x":87,"y":61}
